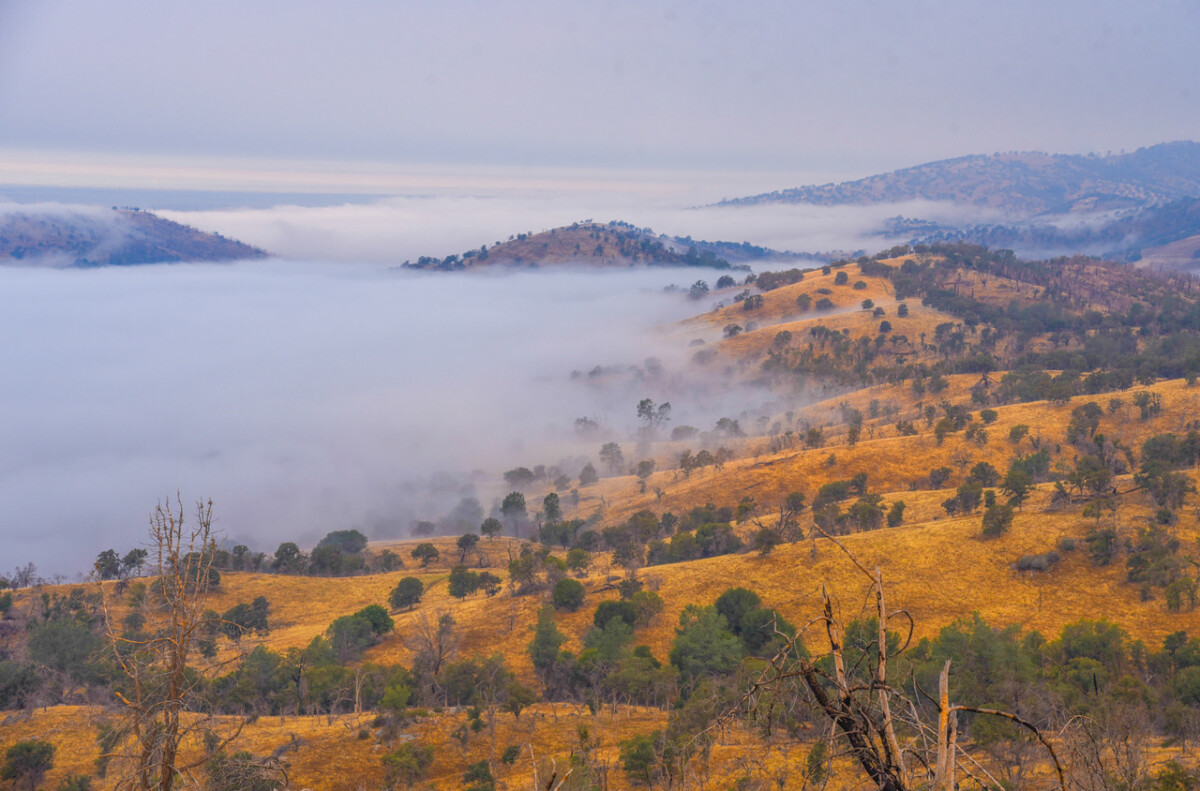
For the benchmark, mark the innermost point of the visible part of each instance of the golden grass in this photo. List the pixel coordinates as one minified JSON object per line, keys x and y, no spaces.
{"x":343,"y":753}
{"x":780,"y":304}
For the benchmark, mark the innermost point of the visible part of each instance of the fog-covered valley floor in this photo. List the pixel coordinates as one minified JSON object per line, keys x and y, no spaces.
{"x":301,"y":396}
{"x":325,"y":389}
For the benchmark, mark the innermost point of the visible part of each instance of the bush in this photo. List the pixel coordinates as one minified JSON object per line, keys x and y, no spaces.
{"x":1066,"y":544}
{"x":1042,"y":562}
{"x":568,"y":594}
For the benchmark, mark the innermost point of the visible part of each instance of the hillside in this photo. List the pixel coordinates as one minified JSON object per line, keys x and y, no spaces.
{"x":613,"y":244}
{"x":1014,"y":445}
{"x":1021,"y":184}
{"x":1137,"y":235}
{"x":85,"y":236}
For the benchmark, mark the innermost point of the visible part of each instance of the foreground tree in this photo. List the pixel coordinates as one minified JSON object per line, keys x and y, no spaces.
{"x":156,"y":683}
{"x":848,"y":684}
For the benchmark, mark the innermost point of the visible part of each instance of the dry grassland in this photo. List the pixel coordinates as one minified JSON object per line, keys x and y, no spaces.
{"x":341,"y":753}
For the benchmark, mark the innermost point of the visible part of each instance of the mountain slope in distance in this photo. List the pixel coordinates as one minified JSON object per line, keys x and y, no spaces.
{"x":1021,"y":184}
{"x":81,"y":236}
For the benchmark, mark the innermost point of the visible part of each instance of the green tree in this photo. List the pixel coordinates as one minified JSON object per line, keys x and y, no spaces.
{"x":425,"y":552}
{"x":463,"y":582}
{"x":350,"y":542}
{"x":578,"y":560}
{"x":1017,"y":484}
{"x":377,"y":616}
{"x":611,"y":455}
{"x":639,"y":757}
{"x":491,"y":527}
{"x":478,"y":777}
{"x":513,"y":509}
{"x":288,"y":558}
{"x":27,"y":762}
{"x":703,"y":643}
{"x":568,"y":594}
{"x":131,"y":564}
{"x":588,"y":475}
{"x":466,"y":543}
{"x":350,"y":635}
{"x":551,"y":508}
{"x":108,"y":565}
{"x":997,"y":519}
{"x":67,"y":646}
{"x":408,"y":764}
{"x":653,"y":415}
{"x":407,"y":593}
{"x":547,"y":639}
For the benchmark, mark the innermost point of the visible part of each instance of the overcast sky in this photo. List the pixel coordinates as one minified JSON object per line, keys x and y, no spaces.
{"x":832,"y":89}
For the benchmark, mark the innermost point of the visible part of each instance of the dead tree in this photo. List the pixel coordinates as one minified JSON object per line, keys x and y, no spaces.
{"x":158,"y":688}
{"x":880,"y":727}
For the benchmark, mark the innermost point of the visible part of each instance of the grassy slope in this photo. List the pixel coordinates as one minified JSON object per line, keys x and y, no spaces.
{"x":937,"y":568}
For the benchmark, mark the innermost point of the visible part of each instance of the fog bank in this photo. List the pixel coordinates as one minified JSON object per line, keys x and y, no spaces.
{"x":407,"y":227}
{"x":303,"y":397}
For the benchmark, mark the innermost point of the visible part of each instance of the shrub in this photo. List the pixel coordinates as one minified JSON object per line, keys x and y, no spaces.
{"x":1042,"y":562}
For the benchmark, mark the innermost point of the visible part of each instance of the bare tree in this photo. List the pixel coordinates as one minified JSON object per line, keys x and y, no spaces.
{"x":434,"y":642}
{"x":158,"y":690}
{"x":868,"y":715}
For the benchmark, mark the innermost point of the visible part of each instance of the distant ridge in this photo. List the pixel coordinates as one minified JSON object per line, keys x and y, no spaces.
{"x":80,"y":236}
{"x":612,"y":244}
{"x":1021,"y":184}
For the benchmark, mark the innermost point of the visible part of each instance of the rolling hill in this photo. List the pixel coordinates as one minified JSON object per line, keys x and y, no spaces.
{"x":1014,"y":445}
{"x":612,"y":244}
{"x":1021,"y":184}
{"x":42,"y":234}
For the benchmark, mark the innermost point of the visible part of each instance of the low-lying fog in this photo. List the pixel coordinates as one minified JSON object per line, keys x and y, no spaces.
{"x":404,"y":228}
{"x":304,"y":396}
{"x":325,"y":390}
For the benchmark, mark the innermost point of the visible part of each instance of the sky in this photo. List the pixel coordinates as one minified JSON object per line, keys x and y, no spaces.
{"x":321,"y":390}
{"x":785,"y":90}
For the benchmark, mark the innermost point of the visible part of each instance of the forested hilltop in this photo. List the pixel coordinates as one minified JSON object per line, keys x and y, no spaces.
{"x":960,"y":548}
{"x":614,"y":243}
